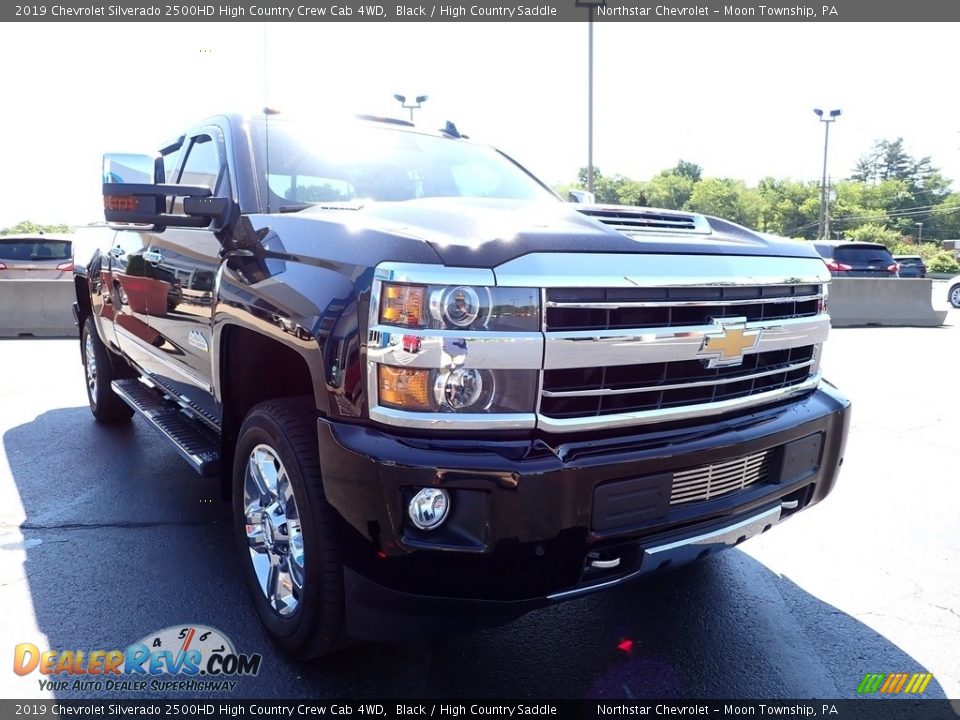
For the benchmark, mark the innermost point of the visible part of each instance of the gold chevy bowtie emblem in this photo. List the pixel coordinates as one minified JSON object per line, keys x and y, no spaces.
{"x":728,"y":344}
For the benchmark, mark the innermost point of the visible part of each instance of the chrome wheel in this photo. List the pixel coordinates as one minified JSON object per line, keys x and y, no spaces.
{"x":273,"y":530}
{"x":90,"y":355}
{"x":955,"y":296}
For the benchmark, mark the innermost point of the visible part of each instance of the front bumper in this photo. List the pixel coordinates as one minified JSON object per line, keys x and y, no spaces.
{"x":527,"y":524}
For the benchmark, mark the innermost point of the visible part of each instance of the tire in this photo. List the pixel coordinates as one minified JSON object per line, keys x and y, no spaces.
{"x":99,"y":372}
{"x":301,"y":601}
{"x":953,"y":295}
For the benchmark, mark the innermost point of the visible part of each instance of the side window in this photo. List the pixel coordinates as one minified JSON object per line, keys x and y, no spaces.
{"x":169,"y":165}
{"x":204,"y":165}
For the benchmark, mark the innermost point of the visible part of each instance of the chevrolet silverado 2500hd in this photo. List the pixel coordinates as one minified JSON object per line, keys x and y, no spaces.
{"x":436,"y":393}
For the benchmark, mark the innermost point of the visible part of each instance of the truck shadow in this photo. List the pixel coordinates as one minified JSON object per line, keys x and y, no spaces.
{"x":121,"y":540}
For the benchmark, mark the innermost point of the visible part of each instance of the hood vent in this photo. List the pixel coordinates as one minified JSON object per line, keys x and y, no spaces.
{"x":638,"y":221}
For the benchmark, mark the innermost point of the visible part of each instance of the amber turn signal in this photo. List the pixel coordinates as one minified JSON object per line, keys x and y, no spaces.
{"x":125,"y":203}
{"x":402,"y":304}
{"x":404,"y":388}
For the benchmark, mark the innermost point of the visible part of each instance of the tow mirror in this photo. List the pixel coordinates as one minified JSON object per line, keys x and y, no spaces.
{"x":131,"y":168}
{"x":134,"y":195}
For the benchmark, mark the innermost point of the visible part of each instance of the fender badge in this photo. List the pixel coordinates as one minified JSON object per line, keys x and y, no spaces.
{"x":197,"y":339}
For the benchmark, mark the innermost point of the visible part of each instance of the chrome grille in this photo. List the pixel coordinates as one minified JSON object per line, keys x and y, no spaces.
{"x":712,"y":481}
{"x":606,"y":390}
{"x":614,"y":308}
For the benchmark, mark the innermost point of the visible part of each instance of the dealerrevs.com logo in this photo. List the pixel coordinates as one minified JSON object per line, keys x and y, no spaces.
{"x":188,"y":658}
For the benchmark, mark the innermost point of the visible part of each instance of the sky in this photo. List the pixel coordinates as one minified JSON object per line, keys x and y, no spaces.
{"x":736,"y":98}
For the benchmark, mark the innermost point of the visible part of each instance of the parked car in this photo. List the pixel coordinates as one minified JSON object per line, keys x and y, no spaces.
{"x":953,"y":293}
{"x":911,"y":266}
{"x":857,"y":259}
{"x":37,"y":257}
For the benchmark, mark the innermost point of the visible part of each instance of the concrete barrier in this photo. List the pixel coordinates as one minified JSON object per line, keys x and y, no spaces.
{"x":38,"y":308}
{"x":900,"y":302}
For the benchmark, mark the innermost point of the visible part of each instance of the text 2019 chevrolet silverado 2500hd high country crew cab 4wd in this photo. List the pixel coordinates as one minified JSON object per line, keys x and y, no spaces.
{"x":434,"y":391}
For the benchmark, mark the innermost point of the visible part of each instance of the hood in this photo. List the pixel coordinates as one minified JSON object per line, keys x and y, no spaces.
{"x":476,"y":232}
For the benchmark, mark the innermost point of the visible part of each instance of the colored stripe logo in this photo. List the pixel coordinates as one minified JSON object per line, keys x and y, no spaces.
{"x":894,"y":683}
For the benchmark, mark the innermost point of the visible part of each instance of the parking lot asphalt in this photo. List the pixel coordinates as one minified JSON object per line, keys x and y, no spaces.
{"x":106,"y":536}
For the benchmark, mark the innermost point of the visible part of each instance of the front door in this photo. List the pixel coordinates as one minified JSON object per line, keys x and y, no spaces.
{"x":186,"y":261}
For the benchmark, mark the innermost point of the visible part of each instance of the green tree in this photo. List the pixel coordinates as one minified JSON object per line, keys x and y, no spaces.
{"x":688,"y":170}
{"x":944,"y":262}
{"x":614,"y":190}
{"x":25,"y":227}
{"x":788,"y":207}
{"x":725,"y":198}
{"x":669,"y":190}
{"x":872,"y":232}
{"x":944,"y":221}
{"x":907,"y":187}
{"x":889,"y":160}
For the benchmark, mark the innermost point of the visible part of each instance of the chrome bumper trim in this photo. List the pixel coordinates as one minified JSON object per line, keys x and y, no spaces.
{"x":686,"y":550}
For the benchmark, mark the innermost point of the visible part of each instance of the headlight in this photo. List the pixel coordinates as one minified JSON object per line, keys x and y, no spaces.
{"x":459,"y":307}
{"x":462,"y":389}
{"x":448,"y":349}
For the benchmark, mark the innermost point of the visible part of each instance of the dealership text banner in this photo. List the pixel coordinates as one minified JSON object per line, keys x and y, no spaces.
{"x":486,"y":11}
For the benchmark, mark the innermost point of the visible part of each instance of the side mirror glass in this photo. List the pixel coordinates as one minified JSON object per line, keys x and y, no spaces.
{"x":132,"y":168}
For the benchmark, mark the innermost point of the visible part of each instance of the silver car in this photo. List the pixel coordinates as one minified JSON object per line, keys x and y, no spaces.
{"x":36,"y":257}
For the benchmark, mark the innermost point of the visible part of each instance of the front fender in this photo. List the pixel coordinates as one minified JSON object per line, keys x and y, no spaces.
{"x":310,"y":309}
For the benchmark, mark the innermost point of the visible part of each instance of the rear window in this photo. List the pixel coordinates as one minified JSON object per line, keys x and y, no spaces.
{"x":33,"y":250}
{"x":862,"y":253}
{"x":909,"y":260}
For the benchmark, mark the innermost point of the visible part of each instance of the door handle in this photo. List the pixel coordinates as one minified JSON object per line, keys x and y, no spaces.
{"x":153,"y":257}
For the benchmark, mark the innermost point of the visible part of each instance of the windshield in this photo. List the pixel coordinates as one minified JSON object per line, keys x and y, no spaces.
{"x":33,"y":250}
{"x":311,"y":164}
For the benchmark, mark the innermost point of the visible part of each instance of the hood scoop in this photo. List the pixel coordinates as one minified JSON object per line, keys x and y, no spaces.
{"x":640,"y":221}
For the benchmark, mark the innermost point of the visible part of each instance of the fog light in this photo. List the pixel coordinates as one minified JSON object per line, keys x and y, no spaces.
{"x":429,"y":507}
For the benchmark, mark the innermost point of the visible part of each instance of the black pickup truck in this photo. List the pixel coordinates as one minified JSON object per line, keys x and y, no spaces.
{"x":437,"y":395}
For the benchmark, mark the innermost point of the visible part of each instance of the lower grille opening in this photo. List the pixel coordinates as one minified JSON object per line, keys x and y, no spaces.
{"x":718,"y":479}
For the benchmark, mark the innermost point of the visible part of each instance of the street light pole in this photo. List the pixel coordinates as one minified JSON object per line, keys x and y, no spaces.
{"x":590,"y":101}
{"x":402,"y":99}
{"x":591,"y":5}
{"x":920,"y":236}
{"x":823,"y":232}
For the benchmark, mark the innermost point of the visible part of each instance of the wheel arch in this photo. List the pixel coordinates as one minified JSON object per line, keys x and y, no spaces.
{"x":254,"y":367}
